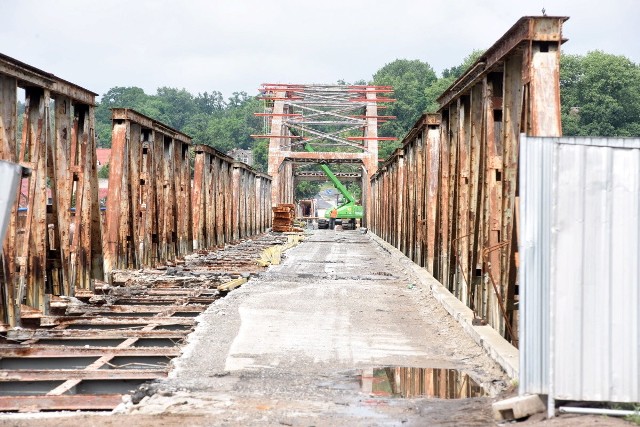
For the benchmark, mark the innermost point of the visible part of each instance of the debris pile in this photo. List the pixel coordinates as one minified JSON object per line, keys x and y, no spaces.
{"x":101,"y":345}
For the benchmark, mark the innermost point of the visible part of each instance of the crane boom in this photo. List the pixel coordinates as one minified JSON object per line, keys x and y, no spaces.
{"x":350,"y":210}
{"x":334,"y":179}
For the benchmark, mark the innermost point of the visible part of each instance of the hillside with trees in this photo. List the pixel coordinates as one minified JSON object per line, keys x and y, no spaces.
{"x":600,"y":96}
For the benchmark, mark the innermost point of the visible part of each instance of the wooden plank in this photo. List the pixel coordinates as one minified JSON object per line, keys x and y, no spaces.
{"x":226,"y":287}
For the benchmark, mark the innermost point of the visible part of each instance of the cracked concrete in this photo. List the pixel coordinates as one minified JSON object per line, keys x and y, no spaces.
{"x":288,"y":346}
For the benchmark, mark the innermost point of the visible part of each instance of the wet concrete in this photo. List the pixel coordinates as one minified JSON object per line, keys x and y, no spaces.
{"x":290,"y":347}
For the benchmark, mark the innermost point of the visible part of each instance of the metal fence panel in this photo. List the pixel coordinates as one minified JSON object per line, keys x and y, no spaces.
{"x":580,"y":271}
{"x":10,"y":175}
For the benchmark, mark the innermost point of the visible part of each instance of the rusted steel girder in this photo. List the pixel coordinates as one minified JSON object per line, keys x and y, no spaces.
{"x":448,"y":197}
{"x":148,"y":221}
{"x":252,"y":210}
{"x":212,"y":204}
{"x":298,"y":115}
{"x":53,"y":243}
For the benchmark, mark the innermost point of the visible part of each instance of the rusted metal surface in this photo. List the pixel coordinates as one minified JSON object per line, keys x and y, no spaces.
{"x":297,"y":115}
{"x":448,"y":197}
{"x":95,"y":402}
{"x":147,"y":222}
{"x":53,"y":242}
{"x":104,"y":343}
{"x":54,"y":245}
{"x":231,"y":201}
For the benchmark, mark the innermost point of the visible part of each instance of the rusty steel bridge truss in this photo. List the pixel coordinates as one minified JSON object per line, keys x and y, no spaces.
{"x":447,"y":198}
{"x":339,"y":122}
{"x":456,"y":174}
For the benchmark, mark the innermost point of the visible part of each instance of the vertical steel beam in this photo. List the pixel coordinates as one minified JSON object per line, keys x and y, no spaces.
{"x":149,"y":180}
{"x":432,"y":184}
{"x":470,"y":171}
{"x":10,"y":310}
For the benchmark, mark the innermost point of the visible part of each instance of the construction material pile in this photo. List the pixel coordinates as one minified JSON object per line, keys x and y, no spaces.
{"x":283,"y":216}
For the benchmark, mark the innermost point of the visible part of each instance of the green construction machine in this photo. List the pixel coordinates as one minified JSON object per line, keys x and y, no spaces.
{"x":349,"y":210}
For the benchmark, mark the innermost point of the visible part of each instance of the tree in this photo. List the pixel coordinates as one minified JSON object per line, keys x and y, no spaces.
{"x":176,"y":106}
{"x":600,"y":95}
{"x":409,"y":79}
{"x":307,"y":189}
{"x":459,"y":70}
{"x":449,"y":75}
{"x":103,"y":172}
{"x":261,"y":155}
{"x":121,"y":97}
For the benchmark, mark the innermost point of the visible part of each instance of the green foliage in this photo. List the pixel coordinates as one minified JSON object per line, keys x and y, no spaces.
{"x":307,"y":189}
{"x":600,"y":95}
{"x":449,"y":76}
{"x":459,"y":70}
{"x":409,"y":79}
{"x":433,"y":92}
{"x":355,"y":190}
{"x":121,"y":97}
{"x":206,"y":117}
{"x":416,"y":89}
{"x":261,"y":155}
{"x":103,"y":172}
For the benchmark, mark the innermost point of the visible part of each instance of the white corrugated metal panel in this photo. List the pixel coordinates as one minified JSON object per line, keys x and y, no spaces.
{"x":535,"y":197}
{"x":10,"y":175}
{"x":594,"y":268}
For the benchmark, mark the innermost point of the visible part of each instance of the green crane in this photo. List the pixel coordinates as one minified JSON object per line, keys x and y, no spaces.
{"x":350,"y":209}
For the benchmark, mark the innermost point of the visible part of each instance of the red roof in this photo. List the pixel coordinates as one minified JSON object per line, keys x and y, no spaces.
{"x":23,"y":200}
{"x":103,"y":155}
{"x":102,"y":193}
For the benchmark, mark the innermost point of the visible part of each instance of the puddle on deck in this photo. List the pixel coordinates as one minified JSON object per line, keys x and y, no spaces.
{"x":406,"y":382}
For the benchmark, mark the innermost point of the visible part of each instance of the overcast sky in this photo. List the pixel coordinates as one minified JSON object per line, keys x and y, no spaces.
{"x":235,"y":45}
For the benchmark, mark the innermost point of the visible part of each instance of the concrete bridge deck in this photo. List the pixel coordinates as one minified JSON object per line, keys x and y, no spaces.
{"x":295,"y":345}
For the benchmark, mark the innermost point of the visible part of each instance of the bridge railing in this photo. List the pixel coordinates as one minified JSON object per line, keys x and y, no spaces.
{"x":448,"y":197}
{"x":147,"y":221}
{"x":53,"y":242}
{"x":220,"y":215}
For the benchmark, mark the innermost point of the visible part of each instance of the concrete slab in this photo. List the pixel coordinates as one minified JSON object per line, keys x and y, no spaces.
{"x":518,"y":407}
{"x":300,"y":338}
{"x":506,"y":355}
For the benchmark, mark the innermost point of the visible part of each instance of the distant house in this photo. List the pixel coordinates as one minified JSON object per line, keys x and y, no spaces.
{"x":103,"y":155}
{"x":244,"y":156}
